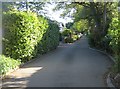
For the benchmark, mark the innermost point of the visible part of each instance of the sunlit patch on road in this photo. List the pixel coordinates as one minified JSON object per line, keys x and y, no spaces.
{"x":20,"y":77}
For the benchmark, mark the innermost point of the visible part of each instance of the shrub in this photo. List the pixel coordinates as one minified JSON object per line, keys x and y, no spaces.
{"x":70,"y":35}
{"x":27,"y":34}
{"x":75,"y":37}
{"x":105,"y":44}
{"x":81,"y":26}
{"x":7,"y":64}
{"x":95,"y":38}
{"x":68,"y":40}
{"x":50,"y":38}
{"x":91,"y":40}
{"x":60,"y":36}
{"x":114,"y":32}
{"x":66,"y":32}
{"x":22,"y":33}
{"x":41,"y":47}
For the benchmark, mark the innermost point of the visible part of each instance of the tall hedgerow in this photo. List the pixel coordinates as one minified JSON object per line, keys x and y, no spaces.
{"x":114,"y":32}
{"x":22,"y":33}
{"x":50,"y":38}
{"x":27,"y":34}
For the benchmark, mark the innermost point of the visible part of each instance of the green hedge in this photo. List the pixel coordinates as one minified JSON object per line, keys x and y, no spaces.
{"x":26,"y":34}
{"x":50,"y":39}
{"x":69,"y":36}
{"x":67,"y":32}
{"x":22,"y":33}
{"x":68,"y":40}
{"x":114,"y":32}
{"x":7,"y":64}
{"x":75,"y":37}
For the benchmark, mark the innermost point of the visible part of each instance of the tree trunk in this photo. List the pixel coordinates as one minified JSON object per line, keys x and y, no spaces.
{"x":97,"y":18}
{"x":104,"y":19}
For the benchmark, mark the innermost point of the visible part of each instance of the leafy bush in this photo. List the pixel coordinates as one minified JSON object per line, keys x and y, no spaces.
{"x":50,"y":38}
{"x":95,"y":38}
{"x":114,"y":32}
{"x":27,"y":34}
{"x":81,"y":26}
{"x":60,"y":36}
{"x":44,"y":23}
{"x":7,"y":64}
{"x":23,"y":31}
{"x":75,"y":37}
{"x":91,"y":40}
{"x":105,"y":44}
{"x":68,"y":40}
{"x":69,"y":25}
{"x":66,"y":32}
{"x":70,"y":36}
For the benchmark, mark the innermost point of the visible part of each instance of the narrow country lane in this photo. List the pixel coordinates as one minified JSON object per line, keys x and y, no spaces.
{"x":70,"y":65}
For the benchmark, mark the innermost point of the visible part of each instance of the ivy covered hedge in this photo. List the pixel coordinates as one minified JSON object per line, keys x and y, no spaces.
{"x":26,"y":34}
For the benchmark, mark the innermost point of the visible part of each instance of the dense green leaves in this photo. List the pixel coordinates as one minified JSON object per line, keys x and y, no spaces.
{"x":67,"y":32}
{"x":50,"y":39}
{"x":24,"y":31}
{"x":69,"y":36}
{"x":26,"y":35}
{"x":69,"y":25}
{"x":7,"y":64}
{"x":114,"y":32}
{"x":80,"y":26}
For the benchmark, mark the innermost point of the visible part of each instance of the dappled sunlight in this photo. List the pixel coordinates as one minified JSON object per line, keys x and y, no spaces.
{"x":26,"y":72}
{"x":19,"y":78}
{"x":15,"y":83}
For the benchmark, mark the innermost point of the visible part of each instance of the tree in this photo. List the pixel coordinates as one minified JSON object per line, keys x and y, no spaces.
{"x":6,"y":6}
{"x":69,"y":25}
{"x":80,"y":26}
{"x":98,"y":15}
{"x":33,"y":6}
{"x":114,"y":33}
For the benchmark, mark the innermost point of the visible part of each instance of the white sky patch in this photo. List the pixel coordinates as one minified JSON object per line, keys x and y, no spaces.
{"x":55,"y":15}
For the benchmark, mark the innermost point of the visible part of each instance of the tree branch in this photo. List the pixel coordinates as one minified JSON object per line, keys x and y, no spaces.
{"x":82,"y":3}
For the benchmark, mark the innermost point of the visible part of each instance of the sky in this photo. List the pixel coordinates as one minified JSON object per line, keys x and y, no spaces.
{"x":55,"y":15}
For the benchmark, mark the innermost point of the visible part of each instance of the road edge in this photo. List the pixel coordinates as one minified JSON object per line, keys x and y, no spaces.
{"x":108,"y":79}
